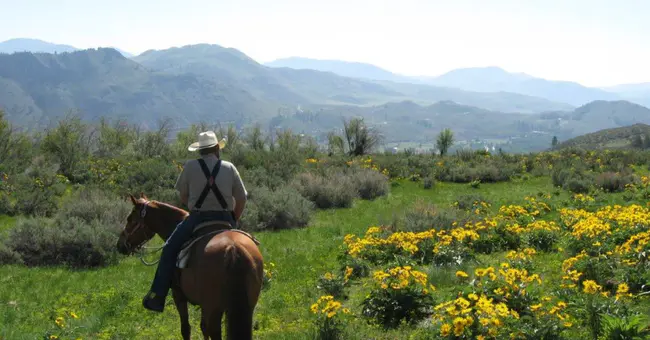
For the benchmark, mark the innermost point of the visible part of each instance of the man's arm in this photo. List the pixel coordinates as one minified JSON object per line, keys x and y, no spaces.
{"x":239,"y":194}
{"x":182,"y":186}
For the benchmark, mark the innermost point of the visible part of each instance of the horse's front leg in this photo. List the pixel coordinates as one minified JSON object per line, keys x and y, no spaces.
{"x":181,"y":306}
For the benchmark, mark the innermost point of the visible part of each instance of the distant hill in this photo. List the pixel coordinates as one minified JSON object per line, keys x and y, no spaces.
{"x":301,"y":86}
{"x":40,"y":46}
{"x":37,"y":87}
{"x":477,"y":79}
{"x":638,"y":93}
{"x":599,"y":115}
{"x":33,"y":45}
{"x":342,"y":68}
{"x":614,"y":138}
{"x":494,"y":79}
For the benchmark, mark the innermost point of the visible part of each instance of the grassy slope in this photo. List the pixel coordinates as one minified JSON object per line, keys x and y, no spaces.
{"x":108,"y":300}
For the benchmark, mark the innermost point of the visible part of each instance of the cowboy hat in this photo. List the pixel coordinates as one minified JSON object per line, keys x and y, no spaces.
{"x":207,"y":139}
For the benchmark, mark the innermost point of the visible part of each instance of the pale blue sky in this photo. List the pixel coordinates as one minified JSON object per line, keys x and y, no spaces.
{"x":594,"y":42}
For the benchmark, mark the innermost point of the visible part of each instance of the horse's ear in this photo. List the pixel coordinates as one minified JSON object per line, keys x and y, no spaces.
{"x":135,"y":202}
{"x":142,"y":195}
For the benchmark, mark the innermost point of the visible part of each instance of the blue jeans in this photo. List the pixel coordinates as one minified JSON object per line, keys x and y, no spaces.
{"x":163,"y":278}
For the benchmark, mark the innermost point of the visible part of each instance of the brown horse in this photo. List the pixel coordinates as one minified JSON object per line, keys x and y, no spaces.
{"x":224,"y":273}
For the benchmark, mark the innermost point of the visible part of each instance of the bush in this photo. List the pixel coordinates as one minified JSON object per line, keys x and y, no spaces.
{"x":91,"y":205}
{"x":284,"y":208}
{"x":330,"y":318}
{"x":398,"y":294}
{"x":613,"y":182}
{"x":425,"y":216}
{"x":326,"y":192}
{"x":574,"y":180}
{"x":370,"y":184}
{"x":258,"y":176}
{"x":8,"y":255}
{"x":334,"y":285}
{"x":480,"y":170}
{"x":578,"y":185}
{"x":82,"y":234}
{"x":74,"y":243}
{"x":471,"y":202}
{"x":36,"y":191}
{"x":428,"y":182}
{"x":543,"y":240}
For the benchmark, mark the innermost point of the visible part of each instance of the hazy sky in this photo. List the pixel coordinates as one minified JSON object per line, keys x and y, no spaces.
{"x":594,"y":42}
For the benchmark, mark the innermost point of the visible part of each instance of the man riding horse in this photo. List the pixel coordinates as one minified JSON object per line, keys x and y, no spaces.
{"x":207,"y":186}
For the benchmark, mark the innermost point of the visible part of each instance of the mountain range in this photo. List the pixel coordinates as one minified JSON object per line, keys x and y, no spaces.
{"x":206,"y":82}
{"x":481,"y":79}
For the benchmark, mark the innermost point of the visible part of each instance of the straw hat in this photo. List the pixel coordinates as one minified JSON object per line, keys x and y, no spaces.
{"x":207,"y":139}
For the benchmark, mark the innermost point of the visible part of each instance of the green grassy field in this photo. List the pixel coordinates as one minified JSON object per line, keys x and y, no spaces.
{"x":108,"y":301}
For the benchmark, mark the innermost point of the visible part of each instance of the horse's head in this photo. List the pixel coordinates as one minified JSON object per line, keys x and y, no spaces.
{"x":138,"y":229}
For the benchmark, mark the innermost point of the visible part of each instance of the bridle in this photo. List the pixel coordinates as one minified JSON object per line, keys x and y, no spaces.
{"x":149,"y":234}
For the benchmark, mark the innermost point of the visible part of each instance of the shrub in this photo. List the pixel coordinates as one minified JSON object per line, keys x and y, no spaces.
{"x":333,"y":284}
{"x":471,"y":202}
{"x":578,"y":185}
{"x":480,"y":170}
{"x":82,"y":234}
{"x":330,"y":317}
{"x":284,"y":208}
{"x":543,"y":240}
{"x":258,"y":176}
{"x":370,"y":184}
{"x":92,"y":204}
{"x":326,"y":192}
{"x":398,"y":294}
{"x":613,"y":182}
{"x":497,"y":239}
{"x":425,"y":216}
{"x":8,"y":255}
{"x":36,"y":191}
{"x":428,"y":182}
{"x":74,"y":243}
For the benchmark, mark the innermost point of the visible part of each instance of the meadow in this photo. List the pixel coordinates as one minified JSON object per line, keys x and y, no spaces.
{"x":472,"y":245}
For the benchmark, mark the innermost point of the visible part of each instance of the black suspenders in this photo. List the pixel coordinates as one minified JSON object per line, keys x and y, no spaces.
{"x":210,"y":185}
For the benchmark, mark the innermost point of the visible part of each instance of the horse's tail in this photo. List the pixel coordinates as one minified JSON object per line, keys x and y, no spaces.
{"x":239,"y":312}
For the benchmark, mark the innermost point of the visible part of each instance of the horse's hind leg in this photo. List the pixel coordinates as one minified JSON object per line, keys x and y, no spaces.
{"x":181,"y":305}
{"x":211,"y":323}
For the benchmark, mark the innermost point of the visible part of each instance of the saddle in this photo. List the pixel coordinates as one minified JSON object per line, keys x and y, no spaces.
{"x":202,"y":230}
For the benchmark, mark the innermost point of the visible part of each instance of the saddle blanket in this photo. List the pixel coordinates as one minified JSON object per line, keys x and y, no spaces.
{"x":184,"y":254}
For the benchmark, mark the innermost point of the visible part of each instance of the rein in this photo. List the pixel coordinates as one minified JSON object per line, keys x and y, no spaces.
{"x":139,"y":248}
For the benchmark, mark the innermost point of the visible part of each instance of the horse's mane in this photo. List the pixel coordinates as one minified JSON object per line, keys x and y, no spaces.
{"x":171,"y":208}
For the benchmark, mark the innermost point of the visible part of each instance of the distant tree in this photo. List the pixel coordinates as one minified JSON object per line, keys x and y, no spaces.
{"x":554,"y":142}
{"x":445,"y":141}
{"x":5,"y":137}
{"x":361,"y":139}
{"x":335,"y":144}
{"x":231,"y":134}
{"x":646,"y":141}
{"x":154,"y":143}
{"x":637,"y":142}
{"x":67,"y":144}
{"x":113,"y":139}
{"x":255,"y":138}
{"x":16,"y":147}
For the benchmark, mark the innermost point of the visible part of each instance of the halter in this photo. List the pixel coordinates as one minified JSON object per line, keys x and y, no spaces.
{"x":138,"y":226}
